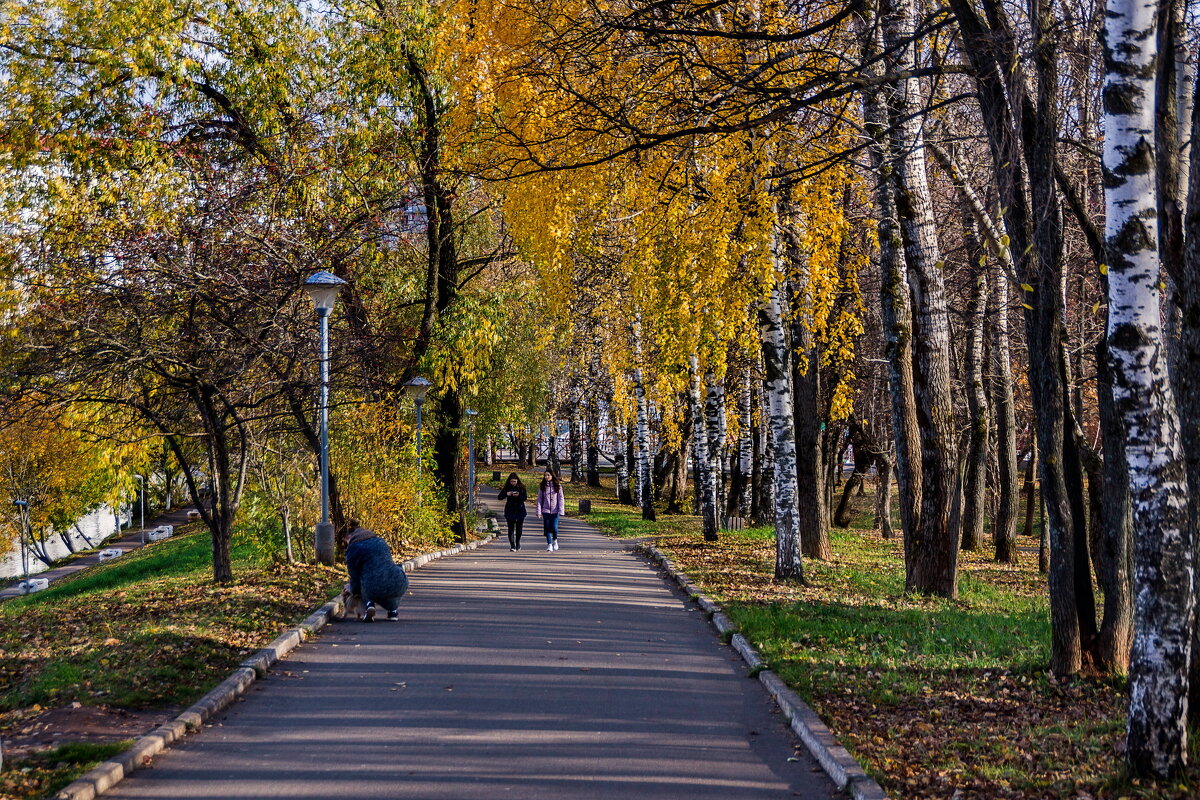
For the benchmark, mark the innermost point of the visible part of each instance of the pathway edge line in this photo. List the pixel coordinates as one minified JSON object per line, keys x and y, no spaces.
{"x":108,"y":774}
{"x":841,"y":767}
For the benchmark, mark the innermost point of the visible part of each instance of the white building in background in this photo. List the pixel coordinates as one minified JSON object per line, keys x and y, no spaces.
{"x":97,"y":526}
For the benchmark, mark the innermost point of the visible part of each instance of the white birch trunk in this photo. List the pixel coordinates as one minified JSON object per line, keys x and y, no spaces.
{"x":620,"y":465}
{"x":643,"y":456}
{"x":1164,"y":604}
{"x":778,"y":391}
{"x":936,"y":541}
{"x":714,"y":409}
{"x":701,"y":438}
{"x":745,"y":447}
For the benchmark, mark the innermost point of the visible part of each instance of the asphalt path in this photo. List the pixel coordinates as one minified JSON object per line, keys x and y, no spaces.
{"x":573,"y":674}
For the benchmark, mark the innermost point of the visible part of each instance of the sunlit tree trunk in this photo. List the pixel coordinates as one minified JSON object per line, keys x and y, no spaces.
{"x":895,"y":303}
{"x":715,"y":427}
{"x":1004,"y":532}
{"x":936,"y":538}
{"x":1164,"y":551}
{"x":644,"y":459}
{"x":777,"y":367}
{"x":705,"y":485}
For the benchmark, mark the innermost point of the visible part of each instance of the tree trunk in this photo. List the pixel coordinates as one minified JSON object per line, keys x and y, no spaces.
{"x":806,"y":391}
{"x":1004,"y":532}
{"x":1029,"y":487}
{"x":740,"y":481}
{"x":1022,"y":137}
{"x":1114,"y":537}
{"x":645,"y":494}
{"x":552,"y":449}
{"x":883,"y":496}
{"x":285,"y":519}
{"x":895,"y":302}
{"x":714,"y":413}
{"x":977,"y":456}
{"x":705,"y":481}
{"x":771,"y":316}
{"x":593,"y":442}
{"x":936,"y":539}
{"x":863,"y":458}
{"x":621,"y":462}
{"x":576,"y":447}
{"x":762,"y":502}
{"x":64,"y":536}
{"x":447,"y":447}
{"x":1185,"y":374}
{"x":1164,"y":547}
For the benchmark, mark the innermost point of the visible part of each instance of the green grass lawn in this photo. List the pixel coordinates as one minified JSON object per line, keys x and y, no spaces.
{"x":936,"y":698}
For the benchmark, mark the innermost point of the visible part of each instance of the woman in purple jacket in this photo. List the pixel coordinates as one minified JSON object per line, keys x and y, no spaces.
{"x":550,"y":504}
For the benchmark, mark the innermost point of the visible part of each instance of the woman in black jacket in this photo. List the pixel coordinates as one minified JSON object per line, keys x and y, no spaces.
{"x":514,"y":496}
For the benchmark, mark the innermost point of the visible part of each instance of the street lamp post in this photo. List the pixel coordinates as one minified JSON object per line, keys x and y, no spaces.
{"x":323,"y":288}
{"x":417,"y":388}
{"x":25,"y":535}
{"x":471,"y":415}
{"x":142,"y":501}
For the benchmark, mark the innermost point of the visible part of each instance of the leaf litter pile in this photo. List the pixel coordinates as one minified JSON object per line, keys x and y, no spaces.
{"x":102,"y":657}
{"x":936,"y":698}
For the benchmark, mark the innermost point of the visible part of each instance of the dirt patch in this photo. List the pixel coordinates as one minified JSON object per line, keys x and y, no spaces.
{"x":45,"y":730}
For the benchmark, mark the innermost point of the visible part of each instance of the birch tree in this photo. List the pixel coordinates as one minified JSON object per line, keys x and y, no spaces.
{"x":1164,"y":550}
{"x":778,"y":400}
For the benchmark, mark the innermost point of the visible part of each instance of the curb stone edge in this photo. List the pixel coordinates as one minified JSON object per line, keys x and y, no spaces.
{"x":108,"y":774}
{"x":846,"y":773}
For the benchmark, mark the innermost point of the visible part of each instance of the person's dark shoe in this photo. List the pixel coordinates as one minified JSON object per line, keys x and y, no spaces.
{"x":394,"y":614}
{"x":369,"y":613}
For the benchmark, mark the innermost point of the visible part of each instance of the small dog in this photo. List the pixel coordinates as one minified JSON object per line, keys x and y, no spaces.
{"x":352,"y":604}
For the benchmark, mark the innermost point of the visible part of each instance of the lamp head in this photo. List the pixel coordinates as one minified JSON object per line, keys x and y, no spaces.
{"x":470,"y":412}
{"x":417,"y":388}
{"x":21,"y":503}
{"x":323,"y":288}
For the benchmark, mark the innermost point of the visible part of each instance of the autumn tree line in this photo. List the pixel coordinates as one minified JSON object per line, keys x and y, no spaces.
{"x":724,"y":240}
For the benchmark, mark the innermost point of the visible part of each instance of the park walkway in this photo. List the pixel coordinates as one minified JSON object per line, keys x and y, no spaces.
{"x":574,"y":674}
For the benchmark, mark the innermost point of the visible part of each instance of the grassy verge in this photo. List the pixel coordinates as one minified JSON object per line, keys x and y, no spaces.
{"x":45,"y":773}
{"x":936,"y":698}
{"x":147,"y":631}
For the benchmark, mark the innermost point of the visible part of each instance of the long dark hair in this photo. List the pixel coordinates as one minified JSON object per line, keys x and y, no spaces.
{"x":512,"y":475}
{"x":553,"y":479}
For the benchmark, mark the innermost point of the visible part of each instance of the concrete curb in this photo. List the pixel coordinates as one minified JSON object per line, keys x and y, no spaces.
{"x":837,"y":762}
{"x":104,"y":776}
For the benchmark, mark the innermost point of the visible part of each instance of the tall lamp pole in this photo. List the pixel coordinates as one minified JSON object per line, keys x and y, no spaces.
{"x":417,"y":388}
{"x":471,"y":415}
{"x":323,"y":288}
{"x":25,"y":535}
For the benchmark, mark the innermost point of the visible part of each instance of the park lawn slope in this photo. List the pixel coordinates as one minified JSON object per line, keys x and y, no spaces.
{"x":146,"y":632}
{"x":936,"y":698}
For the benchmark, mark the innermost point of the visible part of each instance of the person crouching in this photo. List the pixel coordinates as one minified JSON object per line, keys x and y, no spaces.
{"x":373,"y":575}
